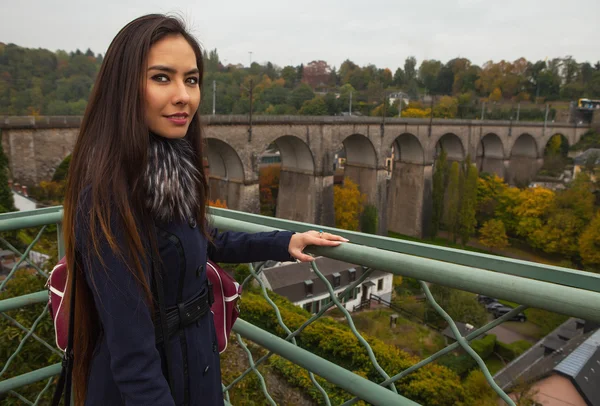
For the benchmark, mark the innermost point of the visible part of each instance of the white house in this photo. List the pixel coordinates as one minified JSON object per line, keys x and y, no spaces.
{"x":301,"y":285}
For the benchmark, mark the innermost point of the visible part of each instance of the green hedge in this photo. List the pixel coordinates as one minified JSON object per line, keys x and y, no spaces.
{"x":463,"y":363}
{"x":484,"y":347}
{"x":511,"y":351}
{"x":432,"y":385}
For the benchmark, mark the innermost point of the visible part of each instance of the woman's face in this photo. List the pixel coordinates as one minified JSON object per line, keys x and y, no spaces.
{"x":172,"y":92}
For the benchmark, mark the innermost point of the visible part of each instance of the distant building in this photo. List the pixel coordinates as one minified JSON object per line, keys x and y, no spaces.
{"x":582,"y":160}
{"x":22,"y":200}
{"x":562,"y":369}
{"x":301,"y":285}
{"x":401,"y":96}
{"x":269,"y":158}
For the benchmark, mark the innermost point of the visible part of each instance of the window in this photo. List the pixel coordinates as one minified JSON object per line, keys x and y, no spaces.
{"x":316,"y":306}
{"x":380,"y":284}
{"x":336,"y":279}
{"x":351,"y":274}
{"x":308,"y":307}
{"x":325,"y":302}
{"x":308,"y":288}
{"x":355,"y":293}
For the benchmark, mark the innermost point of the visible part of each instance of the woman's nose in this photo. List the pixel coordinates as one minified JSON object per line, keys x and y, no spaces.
{"x":182,"y":95}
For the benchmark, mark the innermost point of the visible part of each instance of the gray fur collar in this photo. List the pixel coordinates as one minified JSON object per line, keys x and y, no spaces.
{"x":171,"y":180}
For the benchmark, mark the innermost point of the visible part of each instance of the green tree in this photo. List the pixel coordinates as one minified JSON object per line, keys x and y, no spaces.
{"x":439,"y":186}
{"x":62,"y":170}
{"x":459,"y":305}
{"x":589,"y":245}
{"x":452,"y":205}
{"x":368,"y":220}
{"x":314,"y":107}
{"x":301,"y":94}
{"x":410,"y":70}
{"x":7,"y":202}
{"x":468,"y":206}
{"x":493,"y":235}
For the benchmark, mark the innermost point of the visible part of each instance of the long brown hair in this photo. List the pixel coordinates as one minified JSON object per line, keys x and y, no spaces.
{"x":110,"y":150}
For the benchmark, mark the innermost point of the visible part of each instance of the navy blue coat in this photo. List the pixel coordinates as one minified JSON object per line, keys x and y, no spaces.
{"x":127,"y":367}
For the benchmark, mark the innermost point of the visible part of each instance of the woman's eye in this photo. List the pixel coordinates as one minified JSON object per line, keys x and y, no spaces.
{"x":192,"y":80}
{"x":160,"y":78}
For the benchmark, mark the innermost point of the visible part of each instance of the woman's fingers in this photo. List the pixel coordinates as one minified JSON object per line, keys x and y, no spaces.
{"x":333,"y":237}
{"x":300,"y":256}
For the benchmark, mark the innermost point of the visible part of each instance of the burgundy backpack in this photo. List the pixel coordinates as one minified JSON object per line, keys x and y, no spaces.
{"x":225,"y":310}
{"x":225,"y":289}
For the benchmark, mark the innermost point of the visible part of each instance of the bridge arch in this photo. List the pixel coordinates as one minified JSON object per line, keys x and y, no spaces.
{"x":408,"y":149}
{"x":406,"y":189}
{"x":490,"y":155}
{"x":298,"y":193}
{"x":359,"y":151}
{"x":226,"y":173}
{"x":525,"y":146}
{"x":524,"y":161}
{"x":453,"y":146}
{"x":295,"y":153}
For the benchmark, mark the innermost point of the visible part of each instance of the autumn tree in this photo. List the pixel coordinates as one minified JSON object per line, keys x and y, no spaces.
{"x":589,"y":244}
{"x":7,"y":202}
{"x":314,"y":107}
{"x":348,"y":204}
{"x":452,"y":205}
{"x":369,"y":220}
{"x":493,"y":235}
{"x":218,"y":203}
{"x":269,"y":189}
{"x":468,"y":205}
{"x":439,"y":186}
{"x":316,"y":73}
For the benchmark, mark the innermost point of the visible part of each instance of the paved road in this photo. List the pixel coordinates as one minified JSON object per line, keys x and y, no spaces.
{"x":507,"y":336}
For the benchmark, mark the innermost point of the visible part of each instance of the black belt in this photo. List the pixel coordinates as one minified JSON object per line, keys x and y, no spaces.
{"x":186,"y":313}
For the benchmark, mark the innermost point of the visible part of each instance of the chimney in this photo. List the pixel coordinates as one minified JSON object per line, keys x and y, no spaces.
{"x":17,"y":187}
{"x":24,"y":190}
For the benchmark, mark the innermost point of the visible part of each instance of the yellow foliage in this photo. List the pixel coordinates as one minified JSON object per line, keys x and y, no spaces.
{"x":496,"y":95}
{"x":554,"y":145}
{"x":416,"y":113}
{"x":348,"y":203}
{"x":493,"y":234}
{"x":218,"y":203}
{"x":534,"y":204}
{"x":589,"y":244}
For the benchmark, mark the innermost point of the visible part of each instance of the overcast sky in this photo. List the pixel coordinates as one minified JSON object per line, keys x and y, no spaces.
{"x":292,"y":32}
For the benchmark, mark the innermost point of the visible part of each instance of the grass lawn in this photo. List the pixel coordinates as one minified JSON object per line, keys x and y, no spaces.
{"x":407,"y":335}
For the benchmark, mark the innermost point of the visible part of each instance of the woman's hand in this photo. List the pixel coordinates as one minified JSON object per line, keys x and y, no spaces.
{"x":302,"y":240}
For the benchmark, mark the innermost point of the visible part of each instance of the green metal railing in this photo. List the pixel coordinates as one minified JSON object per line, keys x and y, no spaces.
{"x":556,"y":289}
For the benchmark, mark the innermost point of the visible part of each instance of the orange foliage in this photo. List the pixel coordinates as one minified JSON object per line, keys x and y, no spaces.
{"x":218,"y":203}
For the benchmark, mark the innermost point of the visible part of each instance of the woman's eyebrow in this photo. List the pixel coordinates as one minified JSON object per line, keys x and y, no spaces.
{"x":172,"y":70}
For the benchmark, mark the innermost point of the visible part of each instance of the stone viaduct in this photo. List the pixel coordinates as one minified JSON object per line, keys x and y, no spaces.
{"x":513,"y":150}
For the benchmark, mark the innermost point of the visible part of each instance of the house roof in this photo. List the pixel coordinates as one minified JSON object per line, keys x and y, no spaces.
{"x":582,"y":366}
{"x":289,"y":278}
{"x":582,"y":158}
{"x":535,"y":362}
{"x":293,"y":273}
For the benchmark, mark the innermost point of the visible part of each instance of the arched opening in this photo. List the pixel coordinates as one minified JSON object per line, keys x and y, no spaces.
{"x":225,"y":173}
{"x":406,"y":188}
{"x":555,"y":156}
{"x":453,"y":147}
{"x":355,"y":172}
{"x":490,"y":155}
{"x":286,"y":179}
{"x":524,"y":163}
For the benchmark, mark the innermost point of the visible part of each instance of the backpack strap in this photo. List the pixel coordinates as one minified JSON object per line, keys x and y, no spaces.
{"x":66,"y":373}
{"x":159,"y":295}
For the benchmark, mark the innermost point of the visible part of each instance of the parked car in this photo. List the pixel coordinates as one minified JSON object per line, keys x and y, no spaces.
{"x":492,"y":306}
{"x":502,"y":310}
{"x":486,"y":300}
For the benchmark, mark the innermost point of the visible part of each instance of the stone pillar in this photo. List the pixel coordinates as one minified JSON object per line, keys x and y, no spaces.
{"x":409,"y":194}
{"x":235,"y":193}
{"x":523,"y":170}
{"x":373,"y":183}
{"x":493,"y":166}
{"x":305,"y":197}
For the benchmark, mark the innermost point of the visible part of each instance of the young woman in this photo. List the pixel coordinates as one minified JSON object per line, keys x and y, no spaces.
{"x":136,"y":187}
